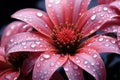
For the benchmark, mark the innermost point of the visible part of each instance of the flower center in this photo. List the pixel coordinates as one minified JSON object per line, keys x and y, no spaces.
{"x":66,"y":36}
{"x":66,"y":40}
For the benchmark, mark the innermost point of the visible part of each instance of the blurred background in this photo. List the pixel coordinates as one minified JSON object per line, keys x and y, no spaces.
{"x":8,"y":7}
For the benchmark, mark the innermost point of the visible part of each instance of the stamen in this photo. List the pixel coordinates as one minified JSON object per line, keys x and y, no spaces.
{"x":66,"y":39}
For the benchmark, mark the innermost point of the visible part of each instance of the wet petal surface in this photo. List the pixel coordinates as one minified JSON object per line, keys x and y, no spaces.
{"x":92,"y":20}
{"x":102,"y":44}
{"x":47,"y":64}
{"x":12,"y":29}
{"x":10,"y":74}
{"x":89,"y":60}
{"x":29,"y":41}
{"x":36,"y":18}
{"x":65,"y":11}
{"x":73,"y":71}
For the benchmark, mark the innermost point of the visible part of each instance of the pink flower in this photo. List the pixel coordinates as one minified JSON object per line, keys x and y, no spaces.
{"x":10,"y":65}
{"x":112,"y":26}
{"x":61,"y":38}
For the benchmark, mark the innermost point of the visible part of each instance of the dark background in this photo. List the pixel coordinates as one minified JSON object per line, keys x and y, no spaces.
{"x":8,"y":7}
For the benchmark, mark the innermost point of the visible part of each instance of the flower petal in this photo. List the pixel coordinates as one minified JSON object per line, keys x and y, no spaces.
{"x":12,"y":29}
{"x":92,"y":20}
{"x":2,"y":54}
{"x":65,"y":11}
{"x":28,"y":64}
{"x":73,"y":71}
{"x":36,"y":18}
{"x":10,"y":74}
{"x":89,"y":60}
{"x":115,"y":6}
{"x":47,"y":64}
{"x":118,"y":37}
{"x":28,"y":41}
{"x":105,"y":1}
{"x":102,"y":44}
{"x":110,"y":27}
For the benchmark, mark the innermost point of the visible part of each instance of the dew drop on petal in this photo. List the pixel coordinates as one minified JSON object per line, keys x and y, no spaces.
{"x":39,"y":14}
{"x":12,"y":40}
{"x":52,"y":64}
{"x":15,"y":78}
{"x":38,"y":65}
{"x":12,"y":27}
{"x":49,"y":5}
{"x":94,"y":70}
{"x":113,"y":41}
{"x":7,"y":77}
{"x":86,"y":62}
{"x":46,"y":56}
{"x":105,"y":8}
{"x":66,"y":69}
{"x":75,"y":67}
{"x":94,"y":56}
{"x":24,"y":43}
{"x":51,"y":1}
{"x":8,"y":33}
{"x":92,"y":63}
{"x":106,"y":44}
{"x":93,"y":17}
{"x":41,"y":59}
{"x":57,"y":2}
{"x":33,"y":45}
{"x":77,"y":61}
{"x":101,"y":39}
{"x":37,"y":42}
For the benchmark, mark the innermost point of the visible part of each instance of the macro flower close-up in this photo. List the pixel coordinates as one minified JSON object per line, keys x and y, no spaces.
{"x":66,"y":37}
{"x":10,"y":65}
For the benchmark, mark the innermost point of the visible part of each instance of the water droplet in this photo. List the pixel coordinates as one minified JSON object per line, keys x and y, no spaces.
{"x":45,"y":72}
{"x":12,"y":27}
{"x":49,"y":5}
{"x":75,"y":67}
{"x":8,"y":33}
{"x":46,"y":56}
{"x":25,"y":26}
{"x":37,"y":42}
{"x":94,"y":56}
{"x":12,"y":40}
{"x":92,"y":63}
{"x":78,"y":61}
{"x":113,"y":41}
{"x":94,"y":70}
{"x":93,"y":17}
{"x":41,"y":59}
{"x":33,"y":45}
{"x":8,"y":77}
{"x":101,"y":39}
{"x":15,"y":78}
{"x":52,"y":64}
{"x":57,"y":2}
{"x":24,"y":43}
{"x":86,"y":62}
{"x":38,"y":65}
{"x":51,"y":1}
{"x":94,"y":75}
{"x":105,"y":8}
{"x":106,"y":44}
{"x":39,"y":14}
{"x":25,"y":47}
{"x":66,"y":69}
